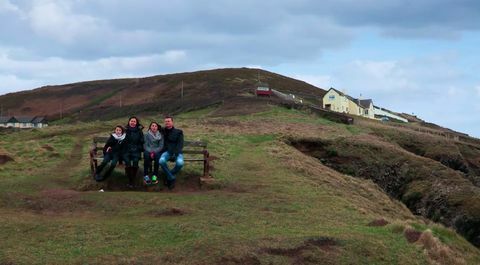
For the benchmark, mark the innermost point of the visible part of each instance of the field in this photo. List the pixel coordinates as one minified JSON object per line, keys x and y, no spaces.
{"x":270,"y":203}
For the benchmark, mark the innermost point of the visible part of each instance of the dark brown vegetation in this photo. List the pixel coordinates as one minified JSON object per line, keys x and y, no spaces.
{"x":5,"y":159}
{"x":107,"y":99}
{"x":425,"y":186}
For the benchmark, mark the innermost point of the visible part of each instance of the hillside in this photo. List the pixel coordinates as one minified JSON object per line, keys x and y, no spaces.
{"x":116,"y":98}
{"x":271,"y":203}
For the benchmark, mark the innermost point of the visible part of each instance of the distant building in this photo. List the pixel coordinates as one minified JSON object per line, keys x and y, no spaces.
{"x":23,"y":122}
{"x":263,"y":90}
{"x":340,"y":102}
{"x":7,"y":121}
{"x":385,"y":114}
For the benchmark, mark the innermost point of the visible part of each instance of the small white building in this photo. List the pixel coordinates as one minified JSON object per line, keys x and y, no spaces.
{"x":23,"y":122}
{"x":382,"y":114}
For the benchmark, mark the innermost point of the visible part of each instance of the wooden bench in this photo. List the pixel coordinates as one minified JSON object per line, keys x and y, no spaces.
{"x":194,"y":151}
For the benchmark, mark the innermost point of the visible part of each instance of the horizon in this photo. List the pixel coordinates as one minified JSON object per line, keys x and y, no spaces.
{"x":399,"y":54}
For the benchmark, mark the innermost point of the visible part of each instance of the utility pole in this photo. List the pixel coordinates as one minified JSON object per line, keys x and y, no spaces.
{"x":181,"y":95}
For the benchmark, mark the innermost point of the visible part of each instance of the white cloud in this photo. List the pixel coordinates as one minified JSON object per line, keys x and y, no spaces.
{"x":322,"y":81}
{"x":27,"y":74}
{"x":7,"y":7}
{"x":56,"y":20}
{"x":11,"y":83}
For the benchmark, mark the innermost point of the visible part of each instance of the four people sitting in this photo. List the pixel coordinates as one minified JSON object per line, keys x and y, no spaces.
{"x":158,"y":146}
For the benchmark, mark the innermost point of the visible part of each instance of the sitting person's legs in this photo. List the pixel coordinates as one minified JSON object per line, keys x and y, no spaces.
{"x":178,"y":164}
{"x":163,"y":163}
{"x":106,"y":159}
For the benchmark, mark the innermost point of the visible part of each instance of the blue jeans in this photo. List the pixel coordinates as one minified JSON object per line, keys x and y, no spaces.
{"x":164,"y":158}
{"x":106,"y":159}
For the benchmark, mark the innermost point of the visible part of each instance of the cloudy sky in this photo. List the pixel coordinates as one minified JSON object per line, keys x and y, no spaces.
{"x":413,"y":56}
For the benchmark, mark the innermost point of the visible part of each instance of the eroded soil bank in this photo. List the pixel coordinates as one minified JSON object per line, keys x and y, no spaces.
{"x":425,"y":186}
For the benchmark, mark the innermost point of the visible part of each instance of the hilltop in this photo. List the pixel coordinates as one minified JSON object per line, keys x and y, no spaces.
{"x":162,"y":93}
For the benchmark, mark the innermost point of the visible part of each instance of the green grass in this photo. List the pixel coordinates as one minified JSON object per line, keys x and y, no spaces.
{"x":270,"y":199}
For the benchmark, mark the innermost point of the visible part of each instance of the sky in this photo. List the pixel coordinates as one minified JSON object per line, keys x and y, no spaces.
{"x":419,"y":57}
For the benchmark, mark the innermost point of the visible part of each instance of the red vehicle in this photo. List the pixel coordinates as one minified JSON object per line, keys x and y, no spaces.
{"x":263,"y":90}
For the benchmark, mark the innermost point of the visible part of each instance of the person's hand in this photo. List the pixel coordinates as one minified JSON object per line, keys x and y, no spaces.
{"x":152,"y":155}
{"x":109,"y":149}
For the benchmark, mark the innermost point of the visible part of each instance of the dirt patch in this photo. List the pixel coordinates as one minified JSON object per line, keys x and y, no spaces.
{"x":5,"y":159}
{"x":56,"y":204}
{"x":378,"y":222}
{"x":186,"y":182}
{"x":60,"y":194}
{"x":245,"y":260}
{"x":174,"y":211}
{"x":411,"y":235}
{"x":298,"y":254}
{"x":48,"y":148}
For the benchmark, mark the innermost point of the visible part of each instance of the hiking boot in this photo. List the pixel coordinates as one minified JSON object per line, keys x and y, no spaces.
{"x":147,"y":180}
{"x":154,"y":179}
{"x":97,"y":177}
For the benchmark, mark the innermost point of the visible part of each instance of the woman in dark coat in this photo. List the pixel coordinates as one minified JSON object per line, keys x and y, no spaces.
{"x":133,"y":149}
{"x":112,"y":152}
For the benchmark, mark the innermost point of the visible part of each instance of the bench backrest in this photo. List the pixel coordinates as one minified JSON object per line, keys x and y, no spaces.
{"x":189,"y":147}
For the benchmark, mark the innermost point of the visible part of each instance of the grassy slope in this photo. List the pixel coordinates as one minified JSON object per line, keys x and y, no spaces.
{"x":274,"y":204}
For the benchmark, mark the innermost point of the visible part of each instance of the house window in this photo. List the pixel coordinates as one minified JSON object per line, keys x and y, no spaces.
{"x":366,"y":112}
{"x":331,"y":97}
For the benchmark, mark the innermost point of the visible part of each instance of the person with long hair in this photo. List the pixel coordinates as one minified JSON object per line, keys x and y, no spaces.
{"x":152,"y":146}
{"x":133,"y":148}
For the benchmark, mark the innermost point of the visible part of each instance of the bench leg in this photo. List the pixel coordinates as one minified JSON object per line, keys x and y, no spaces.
{"x":206,"y":164}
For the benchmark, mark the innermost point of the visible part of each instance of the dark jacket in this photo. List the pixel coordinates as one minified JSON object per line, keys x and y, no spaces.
{"x":134,"y":140}
{"x":116,"y":145}
{"x":173,"y":141}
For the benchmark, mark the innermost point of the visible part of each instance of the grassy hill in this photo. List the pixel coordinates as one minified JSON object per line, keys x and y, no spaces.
{"x":117,"y":98}
{"x":271,"y":203}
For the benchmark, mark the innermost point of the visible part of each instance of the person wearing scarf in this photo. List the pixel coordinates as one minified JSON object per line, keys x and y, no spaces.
{"x":152,"y":146}
{"x":111,"y":153}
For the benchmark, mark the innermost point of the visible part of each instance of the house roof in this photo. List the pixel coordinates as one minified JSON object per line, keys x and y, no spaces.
{"x":39,"y":119}
{"x":363,"y":103}
{"x":25,"y":119}
{"x":5,"y":119}
{"x":341,"y":93}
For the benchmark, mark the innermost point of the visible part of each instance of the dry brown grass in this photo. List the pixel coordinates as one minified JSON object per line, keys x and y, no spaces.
{"x":437,"y":252}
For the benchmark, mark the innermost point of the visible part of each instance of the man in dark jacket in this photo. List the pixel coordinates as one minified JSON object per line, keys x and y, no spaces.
{"x":172,"y":150}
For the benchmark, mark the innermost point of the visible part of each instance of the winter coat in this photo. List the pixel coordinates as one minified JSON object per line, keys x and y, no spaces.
{"x":153,"y":142}
{"x":116,"y":143}
{"x":134,"y":140}
{"x":173,"y":141}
